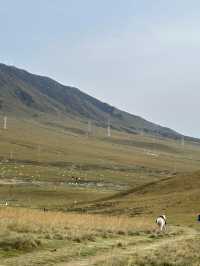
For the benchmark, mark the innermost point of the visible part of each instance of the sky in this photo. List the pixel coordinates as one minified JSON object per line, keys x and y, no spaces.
{"x":141,"y":56}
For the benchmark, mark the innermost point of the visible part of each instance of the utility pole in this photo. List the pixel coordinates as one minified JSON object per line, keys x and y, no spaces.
{"x":5,"y":122}
{"x":141,"y":132}
{"x":108,"y":128}
{"x":11,"y":155}
{"x":183,"y":142}
{"x":39,"y":152}
{"x":89,"y":131}
{"x":154,"y":142}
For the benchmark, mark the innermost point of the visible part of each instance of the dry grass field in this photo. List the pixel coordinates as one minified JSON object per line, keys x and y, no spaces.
{"x":32,"y":237}
{"x":101,"y":197}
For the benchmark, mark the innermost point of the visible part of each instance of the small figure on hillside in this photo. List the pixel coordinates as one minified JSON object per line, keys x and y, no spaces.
{"x":161,"y":221}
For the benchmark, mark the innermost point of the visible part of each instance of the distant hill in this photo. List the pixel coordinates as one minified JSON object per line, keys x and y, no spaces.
{"x":26,"y":94}
{"x":176,"y":196}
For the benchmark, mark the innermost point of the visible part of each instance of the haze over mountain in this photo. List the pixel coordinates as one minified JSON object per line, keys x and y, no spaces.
{"x":26,"y":94}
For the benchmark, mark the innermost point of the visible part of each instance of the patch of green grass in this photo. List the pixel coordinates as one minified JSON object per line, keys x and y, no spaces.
{"x":13,"y":244}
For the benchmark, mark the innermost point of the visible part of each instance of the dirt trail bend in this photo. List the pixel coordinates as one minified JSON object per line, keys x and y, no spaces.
{"x":133,"y":248}
{"x":100,"y":250}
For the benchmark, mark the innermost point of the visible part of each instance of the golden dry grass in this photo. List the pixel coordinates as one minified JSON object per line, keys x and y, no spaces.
{"x":27,"y":237}
{"x":182,"y":251}
{"x":27,"y":231}
{"x":25,"y":220}
{"x":74,"y":235}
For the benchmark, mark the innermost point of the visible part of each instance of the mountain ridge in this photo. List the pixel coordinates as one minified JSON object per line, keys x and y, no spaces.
{"x":24,"y":93}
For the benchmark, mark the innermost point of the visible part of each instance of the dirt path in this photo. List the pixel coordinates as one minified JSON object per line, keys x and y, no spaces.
{"x":90,"y":253}
{"x":68,"y":252}
{"x":132,"y":249}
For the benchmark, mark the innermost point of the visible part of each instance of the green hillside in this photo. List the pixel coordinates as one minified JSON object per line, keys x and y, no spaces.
{"x":47,"y":141}
{"x":69,"y":196}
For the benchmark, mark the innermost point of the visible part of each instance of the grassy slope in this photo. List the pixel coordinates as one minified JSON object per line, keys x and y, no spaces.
{"x":58,"y":152}
{"x":178,"y":197}
{"x":150,"y":177}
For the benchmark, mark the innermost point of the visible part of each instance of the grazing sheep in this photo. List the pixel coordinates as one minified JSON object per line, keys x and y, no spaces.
{"x":161,"y":222}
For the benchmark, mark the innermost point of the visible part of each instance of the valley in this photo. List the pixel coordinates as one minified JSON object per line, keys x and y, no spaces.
{"x":71,"y":194}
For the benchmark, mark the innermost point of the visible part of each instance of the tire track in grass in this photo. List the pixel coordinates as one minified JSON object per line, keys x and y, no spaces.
{"x":69,"y":252}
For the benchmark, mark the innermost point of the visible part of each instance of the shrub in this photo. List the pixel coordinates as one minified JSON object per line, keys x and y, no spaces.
{"x":20,"y":243}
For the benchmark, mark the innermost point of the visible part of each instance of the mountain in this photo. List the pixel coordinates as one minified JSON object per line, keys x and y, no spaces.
{"x":26,"y":94}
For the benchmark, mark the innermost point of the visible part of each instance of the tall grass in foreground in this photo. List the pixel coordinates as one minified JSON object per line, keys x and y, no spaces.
{"x":103,"y":240}
{"x":68,"y":225}
{"x":181,"y":253}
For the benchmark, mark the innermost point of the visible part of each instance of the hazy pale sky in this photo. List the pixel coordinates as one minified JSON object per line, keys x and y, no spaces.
{"x":139,"y":55}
